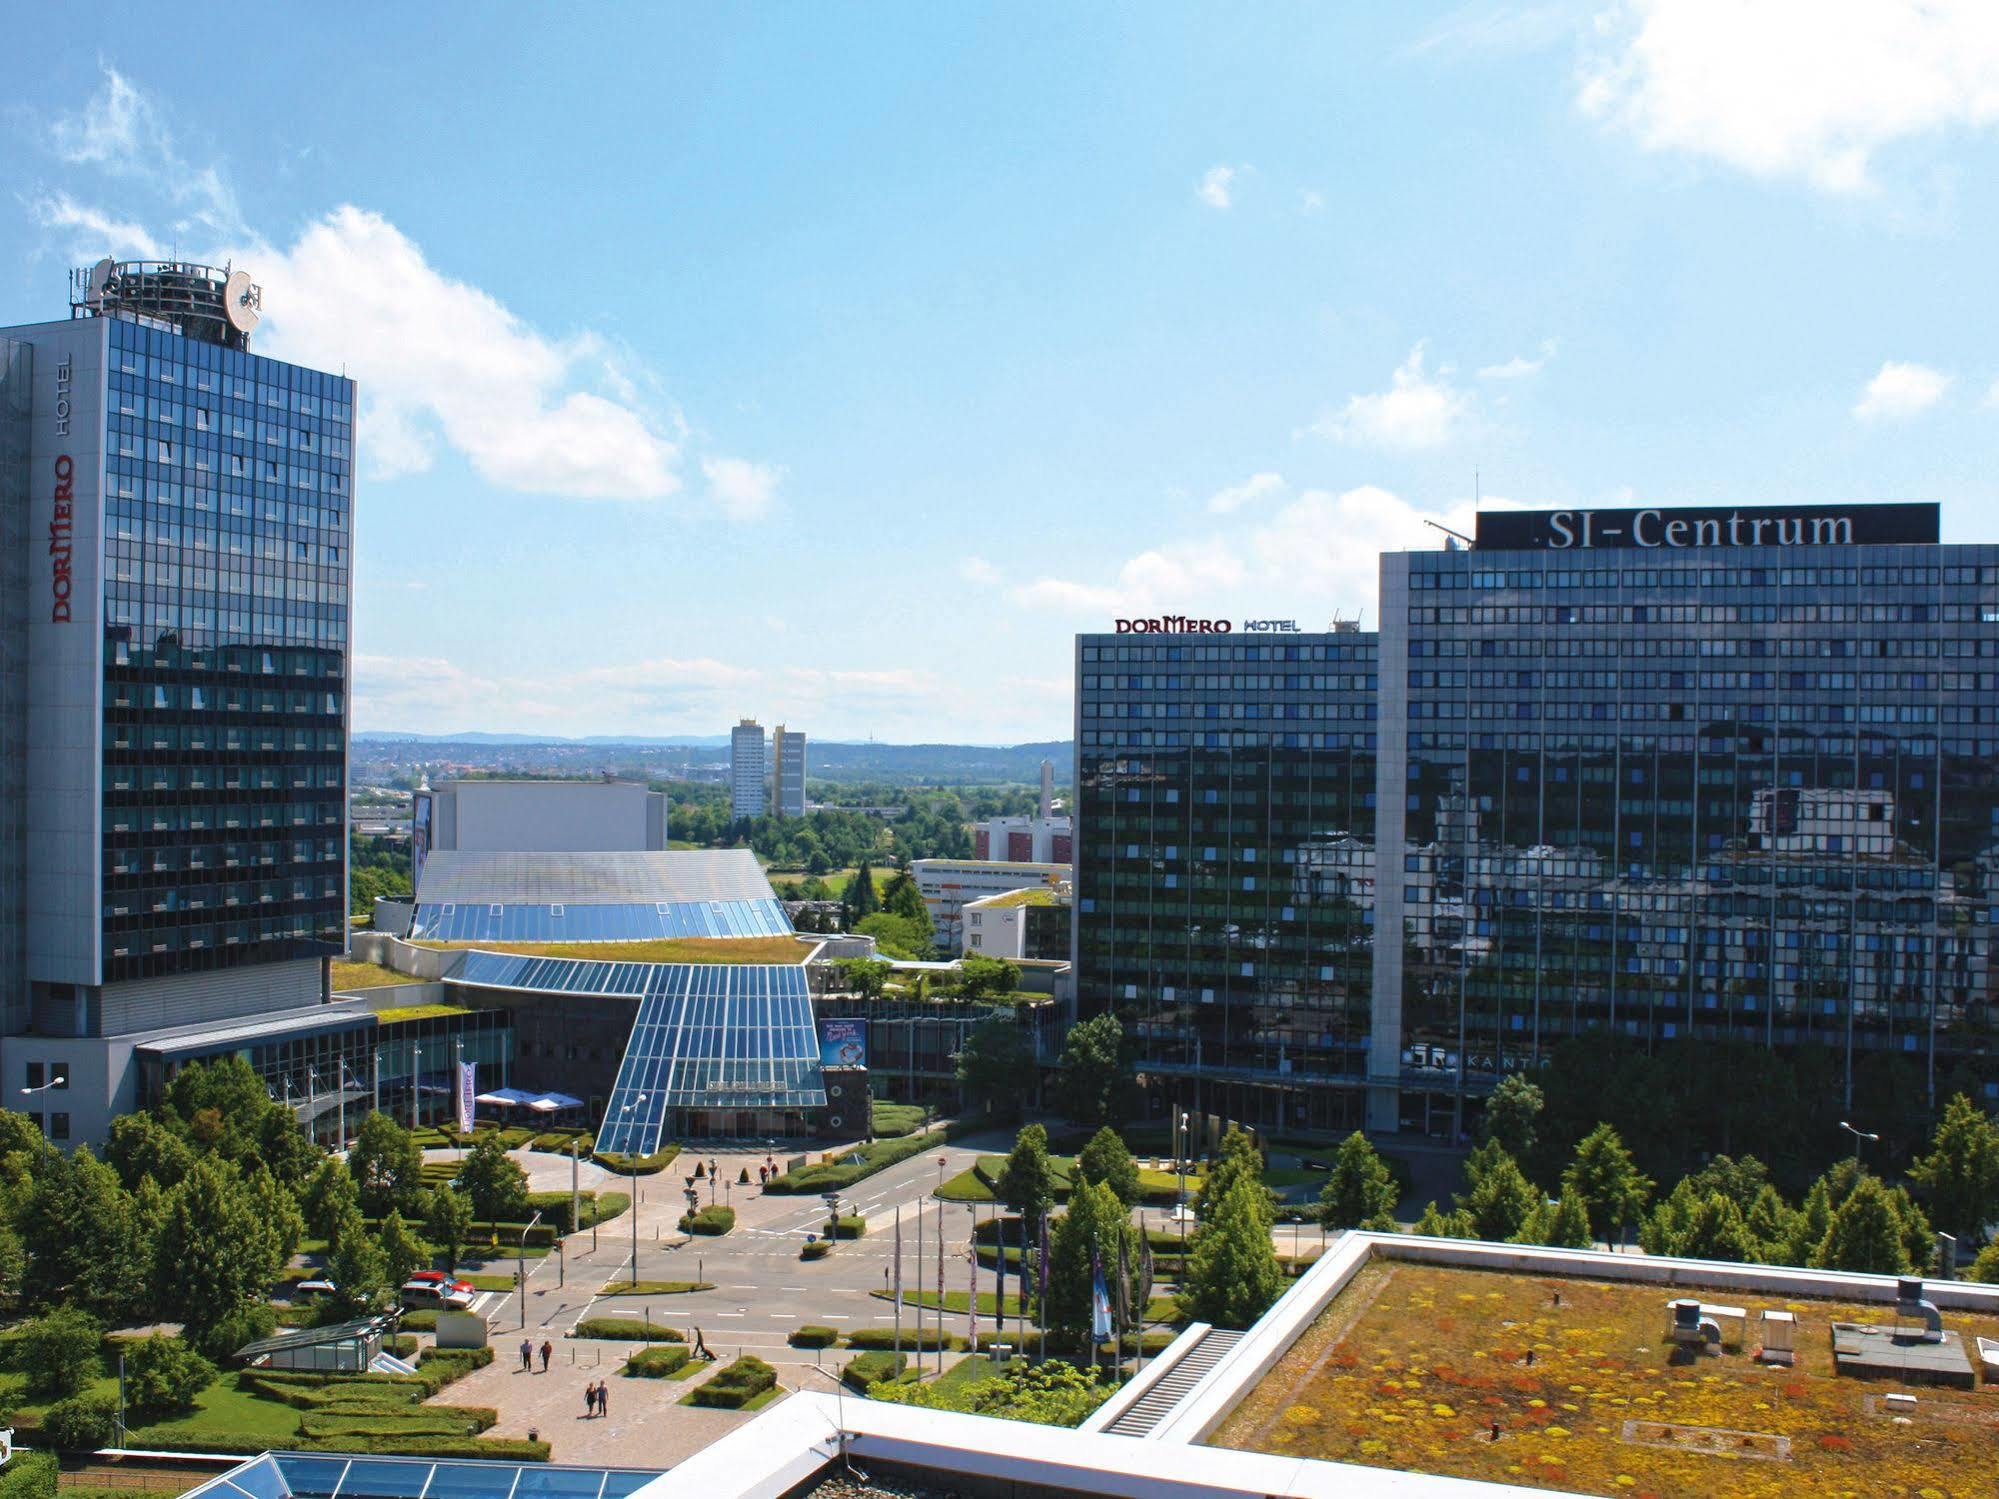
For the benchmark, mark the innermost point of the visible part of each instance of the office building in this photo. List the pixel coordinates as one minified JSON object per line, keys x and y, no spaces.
{"x":787,"y":771}
{"x":1660,"y":774}
{"x":596,"y":816}
{"x":1687,"y":774}
{"x":177,"y":768}
{"x":1034,"y":924}
{"x":1023,"y":840}
{"x":1224,"y":883}
{"x":946,"y":884}
{"x":748,"y":770}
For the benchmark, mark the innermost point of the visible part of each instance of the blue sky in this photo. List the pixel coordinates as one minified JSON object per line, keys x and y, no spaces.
{"x":836,"y":364}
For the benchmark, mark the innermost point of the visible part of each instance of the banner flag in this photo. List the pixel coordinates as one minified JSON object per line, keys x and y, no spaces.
{"x":468,"y":1090}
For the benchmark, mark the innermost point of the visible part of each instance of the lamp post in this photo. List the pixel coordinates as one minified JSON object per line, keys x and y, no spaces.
{"x":1180,"y":1168}
{"x":346,"y":1081}
{"x":1858,"y":1136}
{"x":312,"y":1104}
{"x":375,"y":1079}
{"x":416,"y":1081}
{"x":521,"y":1265}
{"x":632,"y":1160}
{"x":56,"y":1080}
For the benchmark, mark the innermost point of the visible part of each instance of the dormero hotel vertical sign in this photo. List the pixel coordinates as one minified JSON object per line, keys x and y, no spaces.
{"x":63,"y":501}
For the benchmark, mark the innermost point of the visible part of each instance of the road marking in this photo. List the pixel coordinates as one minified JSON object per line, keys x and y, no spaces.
{"x":728,"y":1314}
{"x":835,"y":1317}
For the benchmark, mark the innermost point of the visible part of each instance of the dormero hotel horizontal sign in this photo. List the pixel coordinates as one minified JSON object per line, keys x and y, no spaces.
{"x":1722,"y":526}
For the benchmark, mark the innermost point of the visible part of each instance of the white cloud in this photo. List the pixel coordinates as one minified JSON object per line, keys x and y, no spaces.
{"x":1992,"y":396}
{"x":1255,"y":487}
{"x":1901,"y":390}
{"x":1807,"y":88}
{"x":1315,"y":556}
{"x":95,"y":233}
{"x":1519,"y":367}
{"x":118,"y":131}
{"x":1310,"y":200}
{"x":1217,"y":187}
{"x":1415,"y":411}
{"x":428,"y":694}
{"x":743,"y":489}
{"x":1487,"y":29}
{"x":978,"y":570}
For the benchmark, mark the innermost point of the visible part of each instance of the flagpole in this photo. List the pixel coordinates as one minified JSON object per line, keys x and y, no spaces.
{"x":972,"y":1280}
{"x":919,"y":1284}
{"x":940,"y":1288}
{"x":898,"y":1282}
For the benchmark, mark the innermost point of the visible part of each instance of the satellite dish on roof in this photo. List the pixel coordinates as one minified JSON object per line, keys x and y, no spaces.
{"x":242,"y":301}
{"x":101,"y":276}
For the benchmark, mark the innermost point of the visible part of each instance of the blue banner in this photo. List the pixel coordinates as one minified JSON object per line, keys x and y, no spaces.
{"x":843,"y":1043}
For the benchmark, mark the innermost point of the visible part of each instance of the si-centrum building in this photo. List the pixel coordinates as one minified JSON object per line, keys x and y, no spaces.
{"x":1715,"y":774}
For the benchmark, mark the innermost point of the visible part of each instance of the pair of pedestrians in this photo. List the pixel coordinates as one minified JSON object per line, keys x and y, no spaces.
{"x":527,"y":1355}
{"x":596,"y":1400}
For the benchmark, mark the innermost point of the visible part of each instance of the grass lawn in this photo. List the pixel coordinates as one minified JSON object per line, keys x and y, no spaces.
{"x":969,"y":1370}
{"x":1155,"y":1187}
{"x":896,"y":1119}
{"x":1411,"y":1364}
{"x":348,"y":975}
{"x":954,"y":1301}
{"x":657,"y":1288}
{"x":658,"y":950}
{"x":397,"y":1013}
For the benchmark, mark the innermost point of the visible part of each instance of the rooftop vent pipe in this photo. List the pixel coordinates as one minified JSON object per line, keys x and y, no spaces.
{"x":1910,"y":1302}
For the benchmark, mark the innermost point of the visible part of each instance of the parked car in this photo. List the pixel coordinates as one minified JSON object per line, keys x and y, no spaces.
{"x":420,"y":1294}
{"x":318,"y":1287}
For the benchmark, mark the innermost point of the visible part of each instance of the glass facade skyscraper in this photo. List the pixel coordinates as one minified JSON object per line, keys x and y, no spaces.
{"x":178,"y":766}
{"x":1224,"y":865}
{"x":1669,"y":776}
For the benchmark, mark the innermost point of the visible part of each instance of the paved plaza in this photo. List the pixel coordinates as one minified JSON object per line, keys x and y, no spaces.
{"x":763,"y":1290}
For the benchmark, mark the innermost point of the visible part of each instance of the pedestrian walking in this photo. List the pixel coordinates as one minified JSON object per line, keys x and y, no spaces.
{"x":547,"y":1352}
{"x":527,"y":1355}
{"x":603,"y":1398}
{"x":589,"y":1401}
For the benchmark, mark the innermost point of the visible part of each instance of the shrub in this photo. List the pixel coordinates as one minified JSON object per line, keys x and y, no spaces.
{"x":865,"y":1369}
{"x":846,"y":1227}
{"x":873,"y":1158}
{"x":656,"y":1363}
{"x":709,"y":1220}
{"x":647,"y":1165}
{"x":417,"y":1321}
{"x":811,"y":1336}
{"x":496,"y":1449}
{"x":736,"y":1385}
{"x":59,"y":1352}
{"x":30,"y":1475}
{"x":81,"y":1423}
{"x":884,"y":1337}
{"x":164,"y":1374}
{"x":815,"y":1249}
{"x":625,"y":1330}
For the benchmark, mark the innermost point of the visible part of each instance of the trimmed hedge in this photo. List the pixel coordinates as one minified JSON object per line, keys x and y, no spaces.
{"x":516,"y":1449}
{"x":646,"y":1165}
{"x":866,"y":1369}
{"x":735,"y":1385}
{"x":31,"y":1475}
{"x":884,"y":1337}
{"x":656,"y":1363}
{"x":876,"y":1157}
{"x":626,"y":1330}
{"x":709,"y":1220}
{"x":847,"y":1226}
{"x":812,"y":1336}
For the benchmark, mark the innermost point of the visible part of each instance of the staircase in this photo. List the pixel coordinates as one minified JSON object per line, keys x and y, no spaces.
{"x":1145,"y":1413}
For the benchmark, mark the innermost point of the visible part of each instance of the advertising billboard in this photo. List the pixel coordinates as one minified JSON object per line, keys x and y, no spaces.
{"x":843,"y":1043}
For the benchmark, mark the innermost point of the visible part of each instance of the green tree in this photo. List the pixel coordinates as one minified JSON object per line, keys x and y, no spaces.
{"x":1360,"y":1193}
{"x":279,"y":1211}
{"x":59,"y":1352}
{"x":1513,"y":1113}
{"x":82,"y":1240}
{"x":1436,"y":1224}
{"x":330,"y":1196}
{"x":141,"y":1147}
{"x":22,"y":1145}
{"x":1095,"y":1221}
{"x":1809,"y":1225}
{"x":13,"y":1262}
{"x":1771,"y":1223}
{"x":1106,"y":1161}
{"x":403,"y":1253}
{"x":996,"y":1066}
{"x":901,"y":897}
{"x":386,"y":1165}
{"x":1612,"y":1188}
{"x":859,"y":899}
{"x":216,"y":1253}
{"x":1866,"y":1234}
{"x":1498,"y":1198}
{"x":1985,"y":1269}
{"x":1238,"y":1160}
{"x":1716,"y":1231}
{"x":1027,"y":1180}
{"x":1561,"y":1225}
{"x":897,"y":936}
{"x":163,"y":1375}
{"x":357,"y":1266}
{"x":447,"y":1220}
{"x":1232,"y":1273}
{"x":1093,"y":1081}
{"x":494,"y":1181}
{"x":866,"y":977}
{"x":1960,"y":1175}
{"x":987,"y":978}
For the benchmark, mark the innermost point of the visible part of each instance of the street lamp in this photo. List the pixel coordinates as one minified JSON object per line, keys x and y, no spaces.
{"x":56,"y":1080}
{"x":312,"y":1104}
{"x":632,"y":1159}
{"x":1180,"y":1168}
{"x":1858,"y":1136}
{"x":416,"y":1081}
{"x":521,"y":1265}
